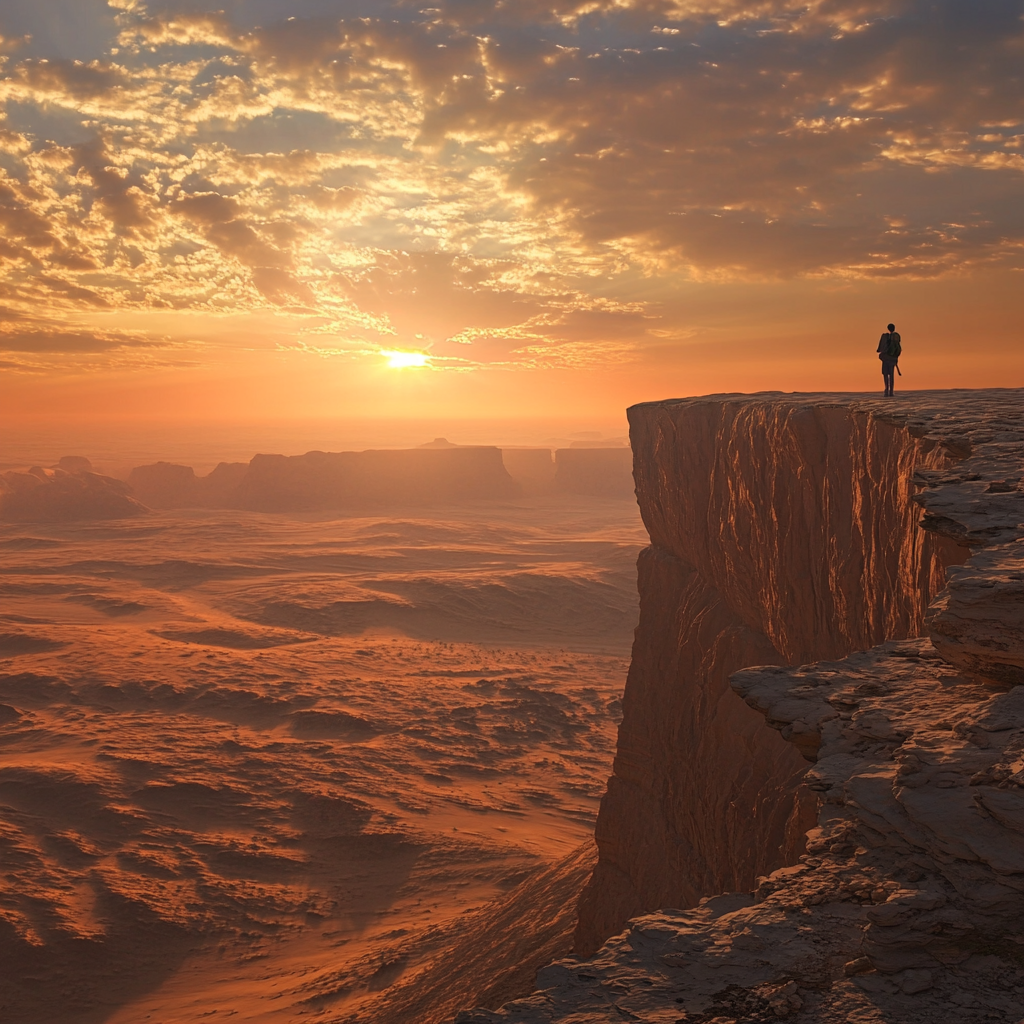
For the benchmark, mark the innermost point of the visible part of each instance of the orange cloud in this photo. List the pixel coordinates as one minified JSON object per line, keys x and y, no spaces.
{"x":507,"y":183}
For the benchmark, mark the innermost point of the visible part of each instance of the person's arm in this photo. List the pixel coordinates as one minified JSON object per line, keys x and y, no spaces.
{"x":881,"y":344}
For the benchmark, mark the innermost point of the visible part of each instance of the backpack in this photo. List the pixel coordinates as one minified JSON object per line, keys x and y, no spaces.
{"x":893,"y":348}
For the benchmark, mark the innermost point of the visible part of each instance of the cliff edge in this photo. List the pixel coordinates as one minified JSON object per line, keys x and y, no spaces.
{"x":877,"y":544}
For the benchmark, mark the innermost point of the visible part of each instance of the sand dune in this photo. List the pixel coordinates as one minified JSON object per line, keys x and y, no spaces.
{"x":253,"y":765}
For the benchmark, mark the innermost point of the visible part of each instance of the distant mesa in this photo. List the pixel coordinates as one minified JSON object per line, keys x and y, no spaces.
{"x":339,"y":480}
{"x":164,"y":485}
{"x":167,"y":485}
{"x":439,"y":472}
{"x":64,"y":495}
{"x":75,"y":464}
{"x":591,"y":467}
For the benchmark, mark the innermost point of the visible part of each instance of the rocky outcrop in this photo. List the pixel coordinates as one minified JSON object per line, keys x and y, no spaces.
{"x":909,"y":899}
{"x":907,"y":902}
{"x":783,"y":530}
{"x":920,"y":765}
{"x":57,"y":496}
{"x":978,"y":625}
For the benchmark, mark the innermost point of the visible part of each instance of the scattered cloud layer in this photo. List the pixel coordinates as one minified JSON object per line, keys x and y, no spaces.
{"x":488,"y":179}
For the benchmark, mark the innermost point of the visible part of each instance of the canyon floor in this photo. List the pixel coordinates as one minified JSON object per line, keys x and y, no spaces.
{"x":264,"y":766}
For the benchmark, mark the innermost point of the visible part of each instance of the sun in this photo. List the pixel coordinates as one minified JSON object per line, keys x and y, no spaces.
{"x":403,"y":360}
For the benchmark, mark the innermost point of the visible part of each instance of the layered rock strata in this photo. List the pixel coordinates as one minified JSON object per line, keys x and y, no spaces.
{"x":783,"y":530}
{"x":907,"y":904}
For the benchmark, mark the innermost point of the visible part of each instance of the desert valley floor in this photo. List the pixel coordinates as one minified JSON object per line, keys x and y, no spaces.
{"x":261,"y":766}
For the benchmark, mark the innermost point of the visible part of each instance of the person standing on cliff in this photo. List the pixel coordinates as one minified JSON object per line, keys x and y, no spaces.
{"x":889,"y":349}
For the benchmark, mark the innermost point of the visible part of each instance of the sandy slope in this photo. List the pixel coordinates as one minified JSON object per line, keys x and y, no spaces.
{"x":260,"y":766}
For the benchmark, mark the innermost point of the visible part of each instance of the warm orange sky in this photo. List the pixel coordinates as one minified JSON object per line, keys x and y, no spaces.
{"x":564,"y":206}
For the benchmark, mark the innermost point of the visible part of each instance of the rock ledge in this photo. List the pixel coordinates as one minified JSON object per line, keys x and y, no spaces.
{"x":908,"y":904}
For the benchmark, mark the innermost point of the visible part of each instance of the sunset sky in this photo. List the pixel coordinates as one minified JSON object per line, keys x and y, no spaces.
{"x":502,"y":207}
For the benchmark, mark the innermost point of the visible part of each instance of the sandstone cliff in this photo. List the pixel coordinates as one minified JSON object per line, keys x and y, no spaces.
{"x":788,"y":529}
{"x":783,"y":531}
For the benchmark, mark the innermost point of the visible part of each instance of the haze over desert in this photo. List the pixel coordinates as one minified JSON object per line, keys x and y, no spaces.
{"x":511,"y":511}
{"x":262,"y":764}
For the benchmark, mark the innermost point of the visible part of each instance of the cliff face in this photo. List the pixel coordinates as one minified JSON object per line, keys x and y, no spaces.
{"x":908,"y":903}
{"x":783,"y":530}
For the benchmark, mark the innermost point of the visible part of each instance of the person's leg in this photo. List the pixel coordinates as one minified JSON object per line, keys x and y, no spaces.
{"x":887,"y":379}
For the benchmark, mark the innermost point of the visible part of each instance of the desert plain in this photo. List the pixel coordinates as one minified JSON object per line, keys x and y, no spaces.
{"x":270,"y":766}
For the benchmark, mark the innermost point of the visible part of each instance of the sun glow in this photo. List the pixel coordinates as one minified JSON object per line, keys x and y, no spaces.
{"x":403,"y":360}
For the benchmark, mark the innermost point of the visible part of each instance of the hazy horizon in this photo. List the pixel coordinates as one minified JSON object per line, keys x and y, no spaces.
{"x":115,"y":447}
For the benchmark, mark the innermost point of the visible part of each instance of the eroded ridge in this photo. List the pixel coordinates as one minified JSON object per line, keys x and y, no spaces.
{"x":908,"y":903}
{"x":908,"y":900}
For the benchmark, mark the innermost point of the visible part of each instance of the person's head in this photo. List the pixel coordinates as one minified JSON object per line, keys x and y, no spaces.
{"x":892,"y":327}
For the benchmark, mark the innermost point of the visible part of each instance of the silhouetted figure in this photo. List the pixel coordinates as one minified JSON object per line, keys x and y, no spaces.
{"x":889,"y":349}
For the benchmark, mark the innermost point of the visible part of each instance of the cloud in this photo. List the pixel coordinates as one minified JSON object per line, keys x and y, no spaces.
{"x":116,"y":191}
{"x":40,"y":339}
{"x":68,"y":80}
{"x":494,"y":177}
{"x":24,"y":228}
{"x":208,"y":208}
{"x":281,"y":287}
